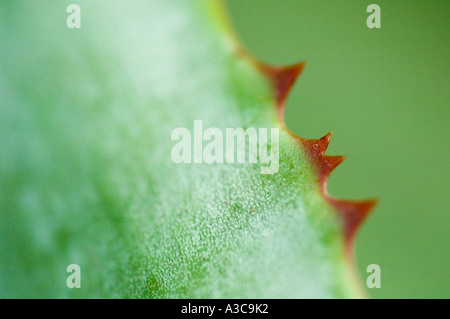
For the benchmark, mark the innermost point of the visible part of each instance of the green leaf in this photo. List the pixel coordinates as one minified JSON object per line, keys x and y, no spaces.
{"x":86,"y":175}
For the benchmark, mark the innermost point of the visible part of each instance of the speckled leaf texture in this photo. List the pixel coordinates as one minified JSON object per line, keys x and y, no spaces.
{"x":86,"y":175}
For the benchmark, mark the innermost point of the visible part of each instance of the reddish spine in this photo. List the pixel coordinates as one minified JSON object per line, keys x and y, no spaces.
{"x":351,"y":213}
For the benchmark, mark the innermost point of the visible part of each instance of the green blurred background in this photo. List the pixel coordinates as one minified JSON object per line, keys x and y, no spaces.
{"x":385,"y":95}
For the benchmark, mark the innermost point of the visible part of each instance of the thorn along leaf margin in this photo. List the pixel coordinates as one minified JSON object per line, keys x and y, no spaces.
{"x":351,"y":213}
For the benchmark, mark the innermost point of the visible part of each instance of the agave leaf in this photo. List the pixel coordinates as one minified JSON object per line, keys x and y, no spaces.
{"x":86,"y":174}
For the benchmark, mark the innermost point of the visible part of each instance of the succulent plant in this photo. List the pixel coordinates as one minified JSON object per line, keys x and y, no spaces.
{"x":86,"y":117}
